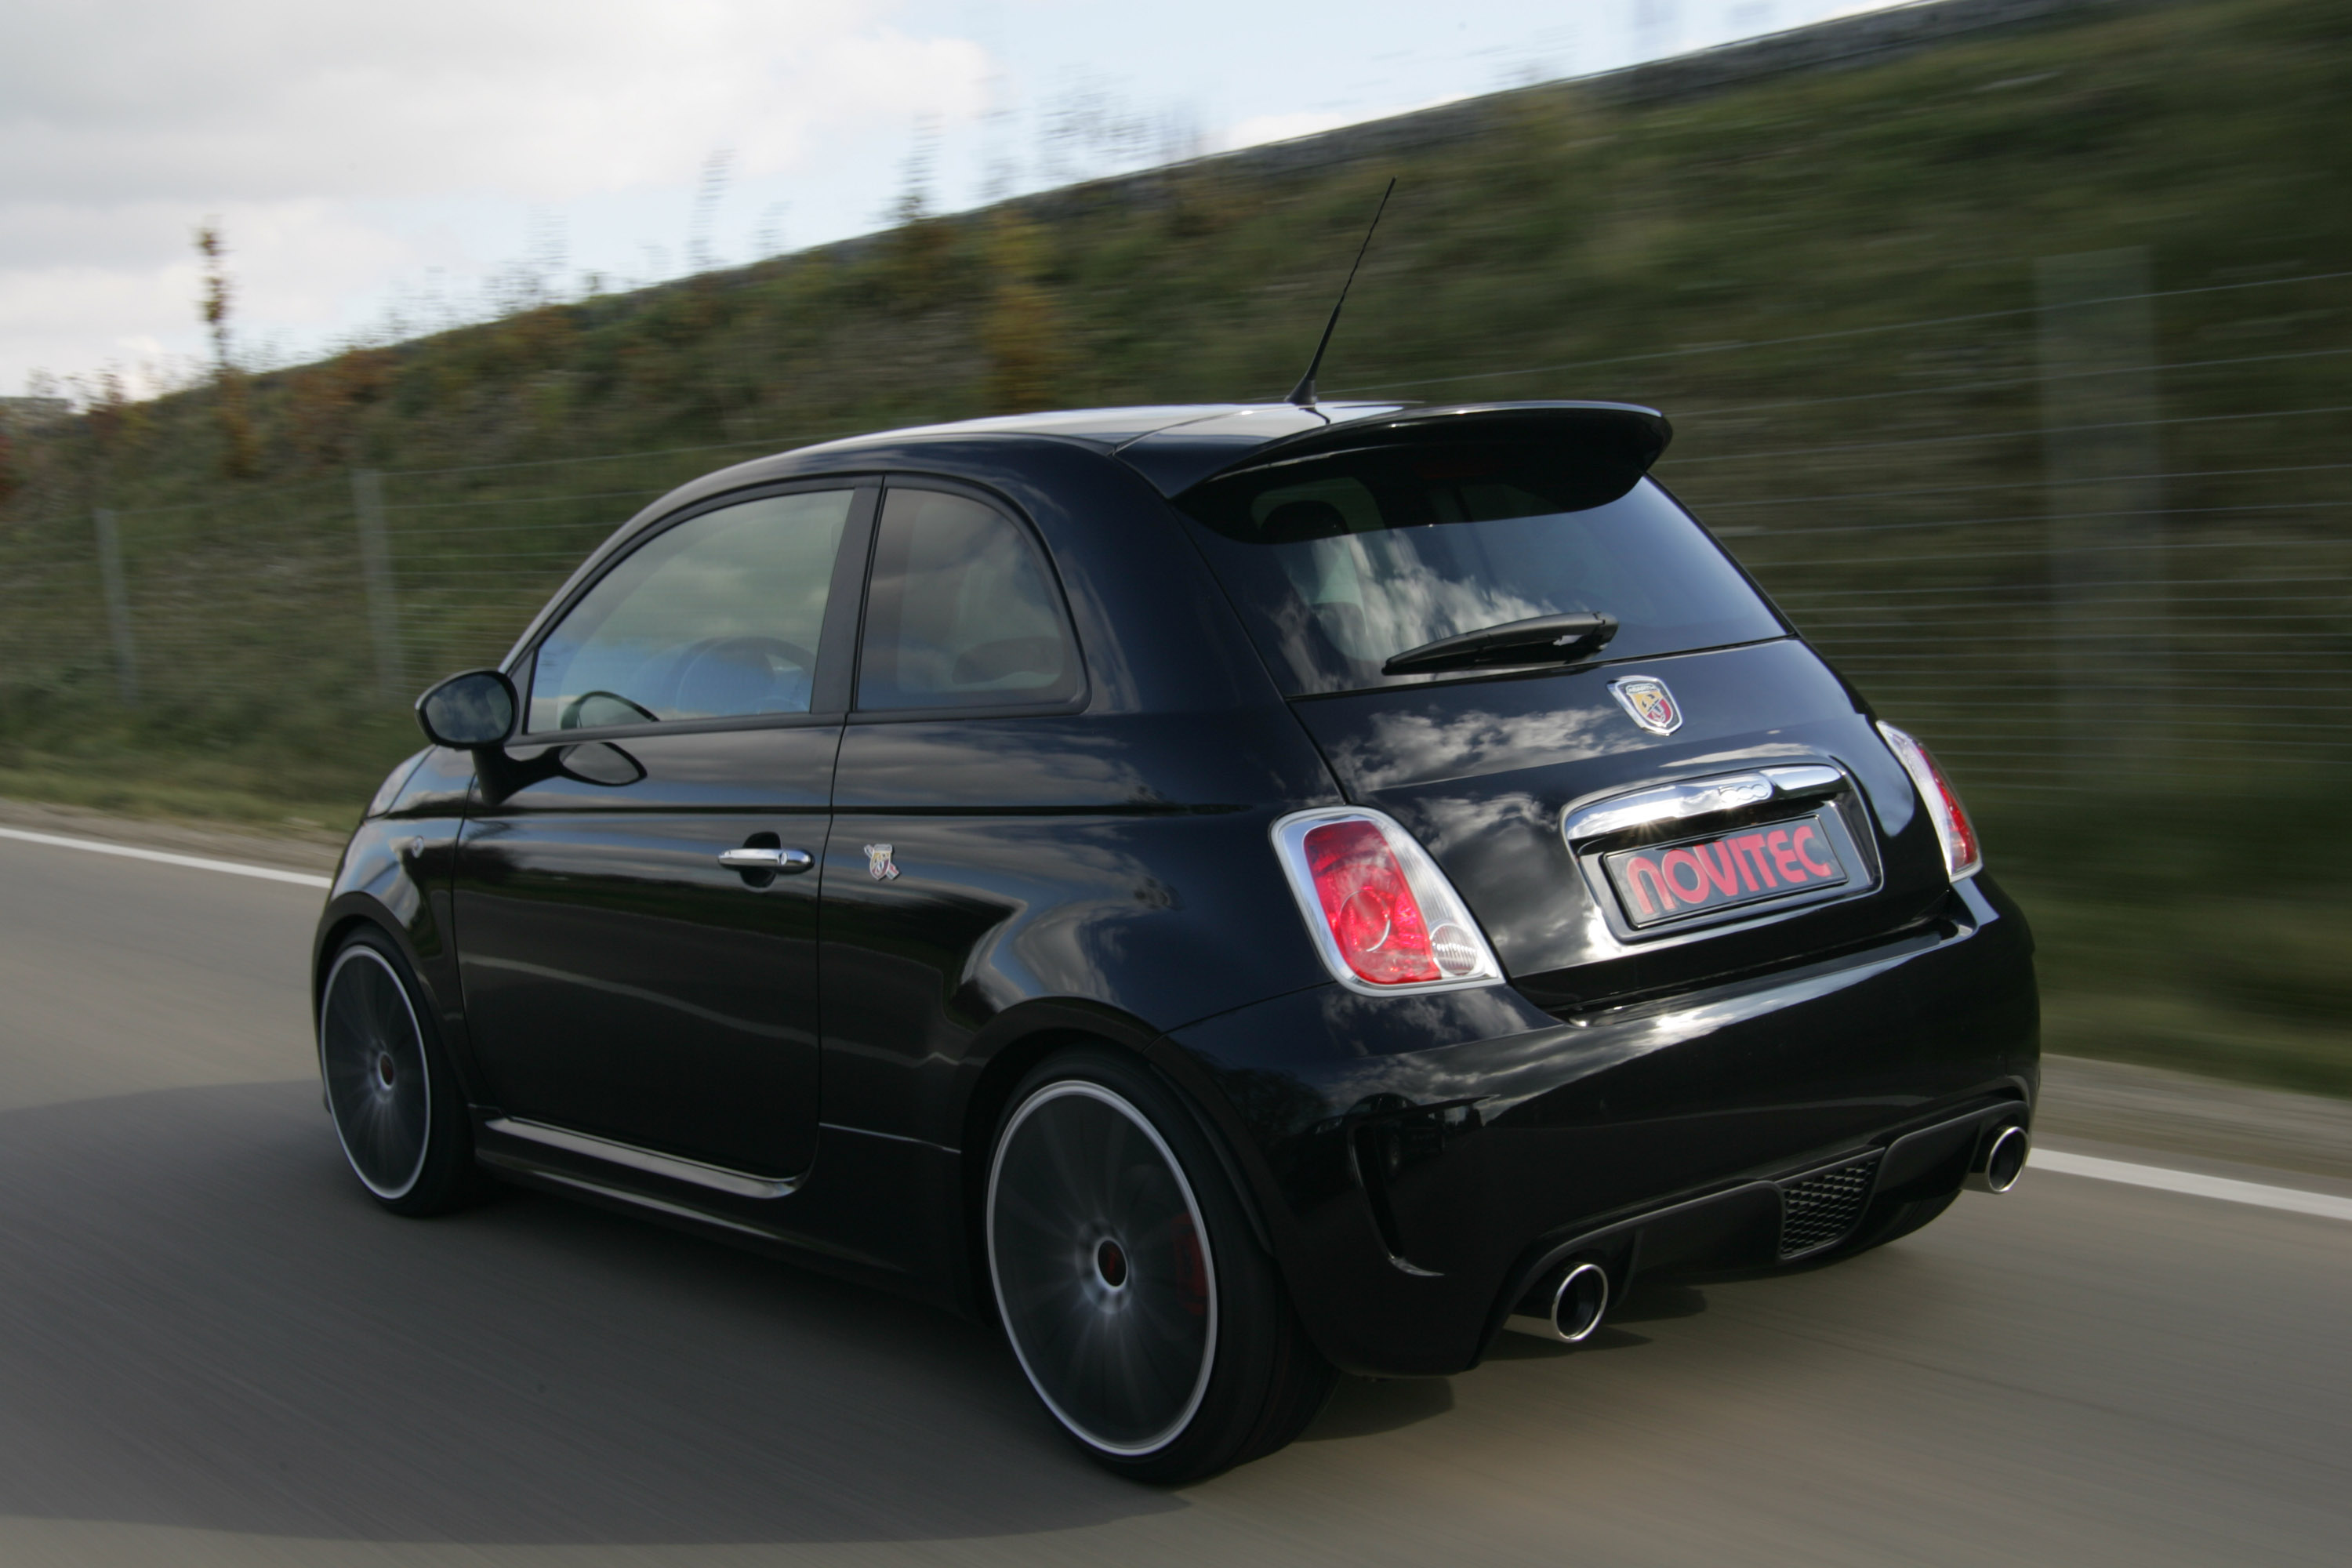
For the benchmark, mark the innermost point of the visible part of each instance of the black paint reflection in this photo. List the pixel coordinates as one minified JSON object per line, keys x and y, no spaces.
{"x":618,"y":979}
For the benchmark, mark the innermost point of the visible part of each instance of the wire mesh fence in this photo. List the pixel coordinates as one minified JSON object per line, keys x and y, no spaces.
{"x":2099,"y":537}
{"x":2078,"y":543}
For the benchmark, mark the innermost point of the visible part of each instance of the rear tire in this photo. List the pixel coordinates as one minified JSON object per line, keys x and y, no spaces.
{"x":395,"y":1104}
{"x":1155,"y":1329}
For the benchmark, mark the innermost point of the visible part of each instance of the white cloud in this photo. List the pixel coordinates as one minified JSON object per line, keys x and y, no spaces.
{"x":117,"y":284}
{"x":316,"y":132}
{"x":256,"y":99}
{"x":357,"y":153}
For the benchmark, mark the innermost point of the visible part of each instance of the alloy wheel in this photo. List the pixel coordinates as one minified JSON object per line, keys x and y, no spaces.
{"x":1103,"y":1274}
{"x":371,"y":1055}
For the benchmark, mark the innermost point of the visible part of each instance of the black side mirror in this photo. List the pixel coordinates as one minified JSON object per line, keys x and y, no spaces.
{"x":468,"y":711}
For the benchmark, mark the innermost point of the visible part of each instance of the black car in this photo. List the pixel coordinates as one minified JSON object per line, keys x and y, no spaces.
{"x":1233,"y":892}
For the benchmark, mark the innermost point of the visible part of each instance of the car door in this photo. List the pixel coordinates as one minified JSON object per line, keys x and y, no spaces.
{"x":636,"y":887}
{"x":952,"y":798}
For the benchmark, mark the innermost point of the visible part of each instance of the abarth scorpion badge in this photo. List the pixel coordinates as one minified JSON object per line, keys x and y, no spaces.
{"x":878,"y":865}
{"x":1646,"y":699}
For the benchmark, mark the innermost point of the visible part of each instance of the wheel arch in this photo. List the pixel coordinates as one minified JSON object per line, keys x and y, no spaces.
{"x":1028,"y":1036}
{"x":356,"y":911}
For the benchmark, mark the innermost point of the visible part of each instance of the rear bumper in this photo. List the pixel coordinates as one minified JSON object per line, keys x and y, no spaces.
{"x":1421,"y":1160}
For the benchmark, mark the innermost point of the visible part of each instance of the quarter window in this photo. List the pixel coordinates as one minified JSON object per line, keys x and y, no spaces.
{"x":718,"y":617}
{"x":961,"y":612}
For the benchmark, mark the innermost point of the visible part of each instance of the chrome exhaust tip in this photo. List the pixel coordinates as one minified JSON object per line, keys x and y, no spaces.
{"x":1572,"y":1307}
{"x":2000,"y":1161}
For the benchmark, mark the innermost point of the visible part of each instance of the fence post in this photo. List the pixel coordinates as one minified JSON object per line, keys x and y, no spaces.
{"x":118,"y":605}
{"x":2099,"y":409}
{"x":375,"y":567}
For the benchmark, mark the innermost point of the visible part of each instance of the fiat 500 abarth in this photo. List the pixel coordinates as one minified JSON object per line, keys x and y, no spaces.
{"x":1231,"y":892}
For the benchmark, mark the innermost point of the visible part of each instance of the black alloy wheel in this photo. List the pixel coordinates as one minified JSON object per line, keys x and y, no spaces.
{"x":1129,"y":1281}
{"x":395,"y":1106}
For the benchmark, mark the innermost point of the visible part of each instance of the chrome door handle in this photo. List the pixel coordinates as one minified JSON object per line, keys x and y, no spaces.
{"x":783,"y":861}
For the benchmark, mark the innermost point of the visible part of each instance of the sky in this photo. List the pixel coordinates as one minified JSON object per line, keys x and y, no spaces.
{"x":380,"y":170}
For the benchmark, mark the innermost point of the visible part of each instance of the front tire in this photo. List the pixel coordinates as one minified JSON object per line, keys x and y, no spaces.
{"x":395,"y":1105}
{"x":1129,"y":1281}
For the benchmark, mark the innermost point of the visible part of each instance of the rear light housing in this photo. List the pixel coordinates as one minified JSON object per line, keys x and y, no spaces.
{"x":1962,"y":855}
{"x":1382,"y":914}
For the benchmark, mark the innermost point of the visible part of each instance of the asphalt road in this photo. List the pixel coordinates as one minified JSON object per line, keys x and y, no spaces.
{"x":213,"y":1350}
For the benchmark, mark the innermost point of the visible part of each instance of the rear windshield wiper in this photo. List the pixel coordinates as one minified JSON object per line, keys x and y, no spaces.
{"x":1546,"y":639}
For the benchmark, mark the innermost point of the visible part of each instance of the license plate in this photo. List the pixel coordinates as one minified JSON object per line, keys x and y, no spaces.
{"x":1745,"y":867}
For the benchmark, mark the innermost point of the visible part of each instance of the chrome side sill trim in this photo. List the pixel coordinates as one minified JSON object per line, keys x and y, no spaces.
{"x":717,"y":1178}
{"x":540,"y":1173}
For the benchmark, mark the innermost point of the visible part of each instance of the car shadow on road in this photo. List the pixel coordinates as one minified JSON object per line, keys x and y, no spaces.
{"x":1363,"y":1406}
{"x":209,"y":1324}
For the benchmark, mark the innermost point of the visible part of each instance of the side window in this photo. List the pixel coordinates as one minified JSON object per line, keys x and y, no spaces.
{"x":715,"y":617}
{"x":961,"y":612}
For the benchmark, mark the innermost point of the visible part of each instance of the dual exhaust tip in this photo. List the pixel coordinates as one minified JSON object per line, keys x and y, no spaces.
{"x":1569,"y":1309}
{"x":1566,"y":1310}
{"x":1999,"y":1160}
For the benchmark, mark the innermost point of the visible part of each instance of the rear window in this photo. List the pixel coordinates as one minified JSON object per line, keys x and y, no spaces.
{"x":1338,"y":563}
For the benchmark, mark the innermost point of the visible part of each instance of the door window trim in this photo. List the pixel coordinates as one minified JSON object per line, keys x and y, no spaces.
{"x":836,"y":650}
{"x":1074,"y":703}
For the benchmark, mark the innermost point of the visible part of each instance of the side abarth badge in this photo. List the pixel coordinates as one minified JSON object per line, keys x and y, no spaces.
{"x":1647,"y":702}
{"x":878,"y":865}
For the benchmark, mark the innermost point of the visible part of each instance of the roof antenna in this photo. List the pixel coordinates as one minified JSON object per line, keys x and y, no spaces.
{"x":1303,"y":395}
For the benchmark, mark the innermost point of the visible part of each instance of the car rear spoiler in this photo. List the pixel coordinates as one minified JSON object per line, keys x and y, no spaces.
{"x":1621,"y":440}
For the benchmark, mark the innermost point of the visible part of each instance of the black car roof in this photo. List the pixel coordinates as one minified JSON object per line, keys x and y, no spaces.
{"x":1178,"y":446}
{"x":1234,"y":428}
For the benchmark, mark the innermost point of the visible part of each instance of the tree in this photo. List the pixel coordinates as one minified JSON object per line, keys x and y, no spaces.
{"x":240,"y":450}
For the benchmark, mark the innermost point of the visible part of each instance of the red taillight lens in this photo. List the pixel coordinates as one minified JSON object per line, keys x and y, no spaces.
{"x":1962,"y":855}
{"x":1368,"y":905}
{"x":1382,"y":916}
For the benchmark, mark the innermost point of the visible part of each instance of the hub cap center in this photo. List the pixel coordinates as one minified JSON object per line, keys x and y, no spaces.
{"x":384,"y":1071}
{"x":1110,"y":1262}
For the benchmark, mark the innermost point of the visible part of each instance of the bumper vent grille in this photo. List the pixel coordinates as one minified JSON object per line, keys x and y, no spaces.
{"x":1824,"y":1208}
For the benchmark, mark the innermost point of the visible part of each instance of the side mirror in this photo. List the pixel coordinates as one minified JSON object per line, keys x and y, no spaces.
{"x":468,"y":711}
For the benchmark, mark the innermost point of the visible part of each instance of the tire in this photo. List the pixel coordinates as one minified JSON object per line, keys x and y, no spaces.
{"x":395,"y":1105}
{"x":1130,"y":1283}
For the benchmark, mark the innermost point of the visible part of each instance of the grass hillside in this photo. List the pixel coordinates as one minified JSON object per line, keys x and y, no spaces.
{"x":1828,"y":279}
{"x":1564,"y":233}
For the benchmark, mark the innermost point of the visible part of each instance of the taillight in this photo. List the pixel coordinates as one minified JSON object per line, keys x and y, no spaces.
{"x":1962,"y":856}
{"x":1383,"y":915}
{"x":1368,"y":910}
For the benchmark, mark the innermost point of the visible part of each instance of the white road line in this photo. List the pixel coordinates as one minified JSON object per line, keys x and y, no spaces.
{"x":234,"y":868}
{"x":2294,"y":1200}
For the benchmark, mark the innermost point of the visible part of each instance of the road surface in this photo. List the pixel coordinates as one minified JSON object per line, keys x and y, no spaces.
{"x":213,"y":1349}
